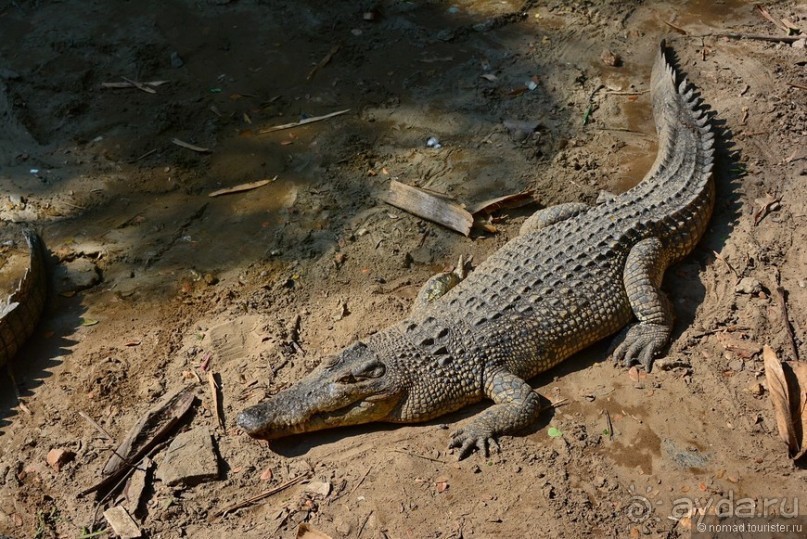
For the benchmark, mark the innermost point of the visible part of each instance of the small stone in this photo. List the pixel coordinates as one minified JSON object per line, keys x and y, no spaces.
{"x":599,"y":481}
{"x":736,"y":365}
{"x":189,"y":460}
{"x":58,"y":457}
{"x":210,"y":279}
{"x":610,"y":59}
{"x":748,"y":285}
{"x":122,"y":523}
{"x":757,"y":389}
{"x":176,"y":60}
{"x":318,"y":488}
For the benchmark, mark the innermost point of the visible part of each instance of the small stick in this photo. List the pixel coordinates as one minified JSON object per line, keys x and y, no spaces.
{"x":214,"y":391}
{"x":726,"y":262}
{"x":302,"y":122}
{"x":363,"y":477}
{"x":322,"y":63}
{"x":676,"y":28}
{"x":780,"y":296}
{"x":95,"y":424}
{"x":619,"y":92}
{"x":418,"y":456}
{"x":258,"y":497}
{"x":800,"y":86}
{"x":140,"y":86}
{"x":755,"y":37}
{"x":363,"y":524}
{"x":610,"y":425}
{"x":122,"y":85}
{"x":144,"y":155}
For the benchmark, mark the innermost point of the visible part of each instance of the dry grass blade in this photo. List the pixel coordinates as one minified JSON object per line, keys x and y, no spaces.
{"x":189,"y":146}
{"x":780,"y":396}
{"x":434,"y":207}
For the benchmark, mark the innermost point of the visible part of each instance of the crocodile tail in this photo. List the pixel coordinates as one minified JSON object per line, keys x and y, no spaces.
{"x":20,"y":314}
{"x":680,"y":121}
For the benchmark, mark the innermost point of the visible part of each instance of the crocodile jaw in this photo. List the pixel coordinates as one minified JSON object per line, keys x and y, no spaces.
{"x":353,"y":388}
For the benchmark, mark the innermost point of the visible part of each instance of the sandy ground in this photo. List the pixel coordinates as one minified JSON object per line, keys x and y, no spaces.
{"x":151,"y":277}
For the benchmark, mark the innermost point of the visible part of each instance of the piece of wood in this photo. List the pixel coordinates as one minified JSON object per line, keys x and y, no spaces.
{"x":753,"y":37}
{"x":122,"y":522}
{"x":306,"y":121}
{"x":242,"y":187}
{"x":429,"y":205}
{"x":138,"y":442}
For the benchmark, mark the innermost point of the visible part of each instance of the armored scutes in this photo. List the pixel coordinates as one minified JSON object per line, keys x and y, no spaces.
{"x":575,"y":275}
{"x":20,"y":313}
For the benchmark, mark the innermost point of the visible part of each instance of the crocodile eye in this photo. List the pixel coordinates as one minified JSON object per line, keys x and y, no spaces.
{"x":368,"y":371}
{"x":346,"y":379}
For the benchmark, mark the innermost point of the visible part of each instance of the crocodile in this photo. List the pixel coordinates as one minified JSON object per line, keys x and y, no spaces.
{"x":20,"y":314}
{"x":575,"y":275}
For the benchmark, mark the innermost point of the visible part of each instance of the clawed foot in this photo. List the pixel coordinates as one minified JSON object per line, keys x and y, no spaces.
{"x":472,"y":439}
{"x":640,"y":343}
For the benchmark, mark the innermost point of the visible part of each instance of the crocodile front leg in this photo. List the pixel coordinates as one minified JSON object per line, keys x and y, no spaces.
{"x":551,"y":215}
{"x":644,"y":271}
{"x":516,"y":406}
{"x":439,"y":285}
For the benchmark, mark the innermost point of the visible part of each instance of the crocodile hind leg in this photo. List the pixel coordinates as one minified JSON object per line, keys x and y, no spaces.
{"x":439,"y":285}
{"x":516,"y":406}
{"x":644,"y":271}
{"x":551,"y":215}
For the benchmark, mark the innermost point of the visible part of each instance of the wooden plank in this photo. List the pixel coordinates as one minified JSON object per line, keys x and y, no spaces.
{"x":437,"y":208}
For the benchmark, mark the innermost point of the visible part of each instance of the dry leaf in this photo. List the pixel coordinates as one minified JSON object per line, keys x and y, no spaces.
{"x":798,"y":403}
{"x":267,"y":474}
{"x":780,"y":396}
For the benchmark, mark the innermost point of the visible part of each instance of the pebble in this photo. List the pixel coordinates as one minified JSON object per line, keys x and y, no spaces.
{"x":748,"y":285}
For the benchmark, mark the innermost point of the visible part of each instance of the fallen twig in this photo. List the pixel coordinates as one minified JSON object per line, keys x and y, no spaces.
{"x":258,"y":497}
{"x":610,"y":425}
{"x":143,"y":156}
{"x":140,"y":86}
{"x":754,"y":37}
{"x":305,"y":121}
{"x":189,"y":146}
{"x":132,"y":84}
{"x":363,"y":477}
{"x":242,"y":187}
{"x":418,"y":456}
{"x":214,"y":392}
{"x":322,"y":63}
{"x":97,"y":427}
{"x":676,"y":28}
{"x":780,"y":297}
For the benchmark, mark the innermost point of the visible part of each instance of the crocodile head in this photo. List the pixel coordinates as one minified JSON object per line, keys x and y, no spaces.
{"x":353,"y":387}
